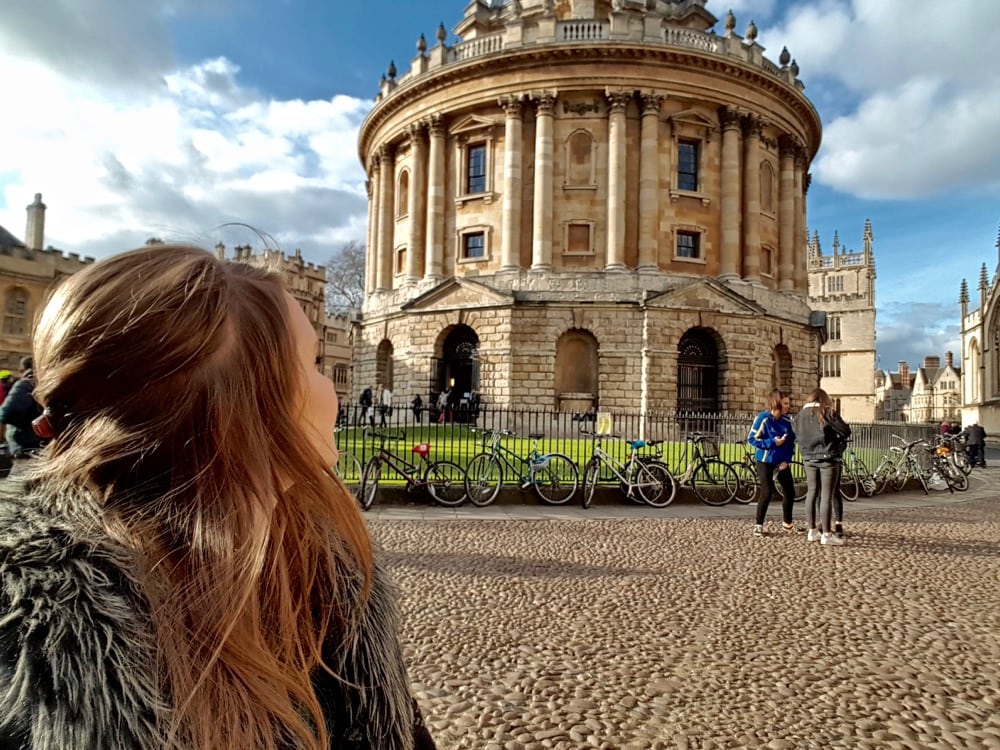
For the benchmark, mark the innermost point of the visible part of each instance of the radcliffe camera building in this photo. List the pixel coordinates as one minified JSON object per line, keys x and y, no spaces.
{"x":590,"y":200}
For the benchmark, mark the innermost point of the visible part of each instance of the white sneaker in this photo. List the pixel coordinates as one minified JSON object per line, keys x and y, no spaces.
{"x":758,"y":530}
{"x":831,"y":539}
{"x":813,"y":535}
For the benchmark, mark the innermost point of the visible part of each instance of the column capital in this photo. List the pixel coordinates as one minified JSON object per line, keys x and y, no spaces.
{"x":512,"y":105}
{"x":435,"y":124}
{"x":730,"y":118}
{"x":386,"y":154}
{"x":788,"y":145}
{"x":368,"y":189}
{"x":415,"y":131}
{"x":807,"y":179}
{"x":801,"y":157}
{"x":545,"y":102}
{"x":617,"y":100}
{"x":753,"y":126}
{"x":651,"y":102}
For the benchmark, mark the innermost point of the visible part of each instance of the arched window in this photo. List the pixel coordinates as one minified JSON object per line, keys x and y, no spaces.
{"x":698,"y":372}
{"x":580,"y":159}
{"x":403,"y":193}
{"x":974,"y":374}
{"x":781,"y":377}
{"x":577,"y":364}
{"x":15,"y":321}
{"x":383,"y":363}
{"x":766,"y":188}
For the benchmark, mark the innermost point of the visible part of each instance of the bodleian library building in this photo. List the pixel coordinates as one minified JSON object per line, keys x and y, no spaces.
{"x":590,"y":202}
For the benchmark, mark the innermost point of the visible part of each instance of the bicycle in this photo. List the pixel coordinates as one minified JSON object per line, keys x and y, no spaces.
{"x":652,"y":480}
{"x":713,"y":481}
{"x":899,"y":466}
{"x":348,"y":468}
{"x":444,"y":480}
{"x":554,"y":476}
{"x":854,"y":476}
{"x":749,"y":489}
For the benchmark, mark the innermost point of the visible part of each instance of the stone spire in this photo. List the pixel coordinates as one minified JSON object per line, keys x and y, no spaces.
{"x":836,"y":243}
{"x":867,"y":239}
{"x":963,"y":298}
{"x":983,"y":286}
{"x":34,"y":233}
{"x":817,"y":250}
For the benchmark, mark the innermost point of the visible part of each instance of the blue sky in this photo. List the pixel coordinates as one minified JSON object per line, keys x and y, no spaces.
{"x":169,"y":119}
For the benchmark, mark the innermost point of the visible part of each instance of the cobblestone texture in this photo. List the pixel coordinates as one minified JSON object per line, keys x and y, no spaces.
{"x":690,"y":633}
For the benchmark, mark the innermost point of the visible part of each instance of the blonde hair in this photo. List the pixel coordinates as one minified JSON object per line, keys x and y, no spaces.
{"x":173,"y":381}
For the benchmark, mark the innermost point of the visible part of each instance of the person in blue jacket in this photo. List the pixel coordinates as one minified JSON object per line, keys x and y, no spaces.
{"x":772,"y":436}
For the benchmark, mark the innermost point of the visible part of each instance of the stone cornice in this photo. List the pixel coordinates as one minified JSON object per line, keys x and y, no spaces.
{"x":551,"y":56}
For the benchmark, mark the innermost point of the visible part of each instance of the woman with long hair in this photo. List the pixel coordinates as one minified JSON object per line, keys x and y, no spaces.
{"x":822,"y":435}
{"x":773,"y":439}
{"x":182,"y":569}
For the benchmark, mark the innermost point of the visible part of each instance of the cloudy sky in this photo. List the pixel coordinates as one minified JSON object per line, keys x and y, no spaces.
{"x":169,"y":119}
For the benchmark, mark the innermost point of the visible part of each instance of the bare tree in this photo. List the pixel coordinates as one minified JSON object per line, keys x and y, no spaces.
{"x":345,"y":278}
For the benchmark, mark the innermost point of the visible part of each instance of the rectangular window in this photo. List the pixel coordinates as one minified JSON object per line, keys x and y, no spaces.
{"x":688,"y":245}
{"x":833,"y":327}
{"x":578,"y":238}
{"x":475,"y":181}
{"x":687,"y":165}
{"x":400,"y":260}
{"x":765,"y":261}
{"x":834,"y":283}
{"x":474,"y":245}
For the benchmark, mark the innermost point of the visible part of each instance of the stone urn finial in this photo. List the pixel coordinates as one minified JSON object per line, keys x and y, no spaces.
{"x":422,"y":44}
{"x":784,"y":57}
{"x":751,"y":34}
{"x":794,"y":67}
{"x":730,"y":22}
{"x":442,"y":33}
{"x":391,"y":72}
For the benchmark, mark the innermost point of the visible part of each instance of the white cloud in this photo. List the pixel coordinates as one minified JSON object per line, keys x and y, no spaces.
{"x":118,"y":164}
{"x":920,"y":93}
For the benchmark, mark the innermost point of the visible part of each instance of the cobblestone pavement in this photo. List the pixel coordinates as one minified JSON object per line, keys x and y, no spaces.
{"x":685,"y":631}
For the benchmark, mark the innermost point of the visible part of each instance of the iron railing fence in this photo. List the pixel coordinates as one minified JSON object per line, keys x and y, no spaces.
{"x":458,"y":435}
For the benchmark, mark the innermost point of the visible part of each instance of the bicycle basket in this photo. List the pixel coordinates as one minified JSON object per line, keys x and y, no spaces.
{"x":710,"y":447}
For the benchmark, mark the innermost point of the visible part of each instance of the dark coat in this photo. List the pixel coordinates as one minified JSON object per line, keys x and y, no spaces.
{"x":18,"y":409}
{"x":820,"y":442}
{"x":77,"y":653}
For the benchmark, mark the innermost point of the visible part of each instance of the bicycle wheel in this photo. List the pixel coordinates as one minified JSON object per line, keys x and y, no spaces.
{"x":961,"y":460}
{"x":799,"y":478}
{"x":953,"y":475}
{"x":369,"y":482}
{"x":715,"y":482}
{"x":590,"y":477}
{"x":653,"y":484}
{"x":849,"y":485}
{"x":882,"y":475}
{"x":349,"y":469}
{"x":747,"y":491}
{"x":866,"y":480}
{"x":556,"y":478}
{"x":483,"y":479}
{"x":446,"y":483}
{"x":662,"y":472}
{"x":902,"y":475}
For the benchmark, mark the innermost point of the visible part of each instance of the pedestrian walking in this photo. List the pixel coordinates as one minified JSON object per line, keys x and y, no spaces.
{"x":418,"y":408}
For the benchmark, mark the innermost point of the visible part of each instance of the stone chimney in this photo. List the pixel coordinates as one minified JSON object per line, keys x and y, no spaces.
{"x":34,"y":232}
{"x":904,"y":374}
{"x":948,"y":359}
{"x":932,"y":361}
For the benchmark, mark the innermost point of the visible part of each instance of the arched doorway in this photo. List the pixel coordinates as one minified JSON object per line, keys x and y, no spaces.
{"x":698,"y":372}
{"x":457,"y":364}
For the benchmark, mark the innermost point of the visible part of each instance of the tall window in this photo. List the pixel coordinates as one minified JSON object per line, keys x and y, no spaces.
{"x":579,"y":161}
{"x":687,"y":165}
{"x":688,"y":245}
{"x":403,"y":193}
{"x":833,"y":327}
{"x":834,"y":283}
{"x":340,"y":374}
{"x":831,"y":366}
{"x":475,"y":181}
{"x":697,"y":372}
{"x":15,"y":319}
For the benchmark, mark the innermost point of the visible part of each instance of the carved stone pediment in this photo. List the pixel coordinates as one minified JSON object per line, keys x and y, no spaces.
{"x":694,"y":120}
{"x":458,"y":294}
{"x":705,"y":294}
{"x":472,"y":124}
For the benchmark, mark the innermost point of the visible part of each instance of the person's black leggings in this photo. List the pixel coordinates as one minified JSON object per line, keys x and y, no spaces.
{"x":765,"y":478}
{"x":823,"y":479}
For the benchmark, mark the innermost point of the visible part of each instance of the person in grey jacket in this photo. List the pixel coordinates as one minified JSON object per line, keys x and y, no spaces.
{"x":18,"y":410}
{"x":172,"y":576}
{"x":821,"y":435}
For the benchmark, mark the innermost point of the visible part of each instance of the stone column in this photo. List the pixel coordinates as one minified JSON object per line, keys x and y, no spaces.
{"x":801,"y":188}
{"x":649,"y":182}
{"x":386,"y":217}
{"x":541,"y":248}
{"x":729,"y":204}
{"x":618,"y":102}
{"x":510,"y":246}
{"x":416,"y":208}
{"x":752,"y":127}
{"x":434,"y":232}
{"x":787,"y":213}
{"x":371,"y":245}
